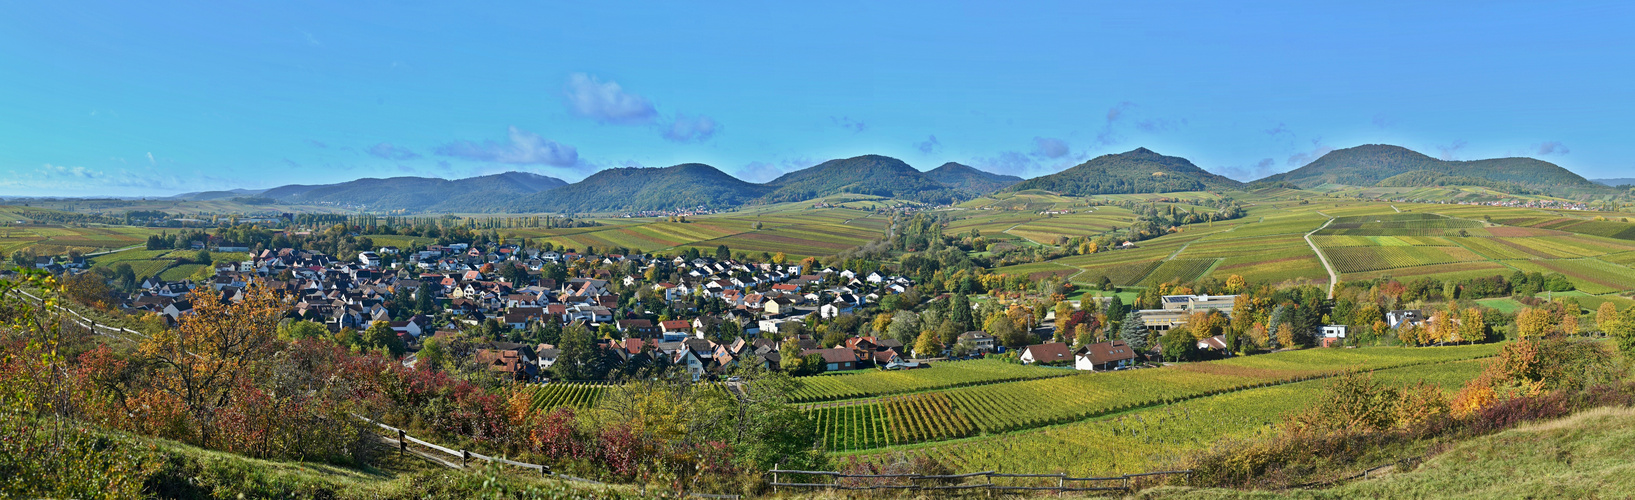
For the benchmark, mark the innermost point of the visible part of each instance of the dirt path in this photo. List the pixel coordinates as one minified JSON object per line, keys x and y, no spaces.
{"x":1332,"y":276}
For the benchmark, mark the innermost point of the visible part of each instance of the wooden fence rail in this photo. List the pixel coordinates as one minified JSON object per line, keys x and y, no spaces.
{"x":1126,"y":483}
{"x":465,"y":456}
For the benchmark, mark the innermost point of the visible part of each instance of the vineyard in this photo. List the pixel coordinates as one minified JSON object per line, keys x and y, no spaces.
{"x":576,"y":395}
{"x":1359,"y":259}
{"x":1183,"y":270}
{"x":1011,"y":406}
{"x":1145,"y":440}
{"x":938,"y":376}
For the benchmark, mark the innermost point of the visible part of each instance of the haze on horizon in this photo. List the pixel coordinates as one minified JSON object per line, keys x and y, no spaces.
{"x":160,"y":98}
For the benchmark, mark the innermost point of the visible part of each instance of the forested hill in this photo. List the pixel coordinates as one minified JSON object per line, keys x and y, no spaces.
{"x":967,"y":178}
{"x":1396,"y":166}
{"x":637,"y":189}
{"x":867,"y":174}
{"x":418,"y":194}
{"x":1138,"y":171}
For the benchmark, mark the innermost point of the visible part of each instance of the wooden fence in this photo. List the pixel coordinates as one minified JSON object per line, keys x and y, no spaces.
{"x":403,"y":440}
{"x":973,"y":481}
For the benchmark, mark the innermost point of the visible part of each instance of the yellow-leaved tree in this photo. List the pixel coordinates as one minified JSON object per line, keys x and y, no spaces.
{"x":1532,"y":323}
{"x":204,"y":360}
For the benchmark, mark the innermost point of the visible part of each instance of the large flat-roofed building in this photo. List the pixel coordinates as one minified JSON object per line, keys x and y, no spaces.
{"x":1176,"y":308}
{"x":1223,"y":303}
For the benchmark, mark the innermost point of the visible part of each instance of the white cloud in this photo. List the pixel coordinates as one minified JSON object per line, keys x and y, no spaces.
{"x":607,"y":102}
{"x":522,"y":148}
{"x":690,"y":129}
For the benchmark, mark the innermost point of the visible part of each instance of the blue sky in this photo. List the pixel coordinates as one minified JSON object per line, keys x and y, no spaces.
{"x":156,"y":98}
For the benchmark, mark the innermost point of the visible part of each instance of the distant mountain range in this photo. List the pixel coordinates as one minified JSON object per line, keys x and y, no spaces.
{"x":1624,"y":181}
{"x":216,"y":195}
{"x":1137,"y":171}
{"x":1395,"y":166}
{"x":695,"y":184}
{"x":419,"y":194}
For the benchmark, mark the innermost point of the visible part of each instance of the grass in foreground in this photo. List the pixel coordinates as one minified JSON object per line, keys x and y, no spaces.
{"x":1582,"y":456}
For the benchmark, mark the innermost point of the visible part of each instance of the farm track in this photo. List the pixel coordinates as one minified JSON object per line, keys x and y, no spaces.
{"x":1333,"y":277}
{"x":116,"y":250}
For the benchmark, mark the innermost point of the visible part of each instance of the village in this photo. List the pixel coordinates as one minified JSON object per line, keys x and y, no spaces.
{"x":705,"y":316}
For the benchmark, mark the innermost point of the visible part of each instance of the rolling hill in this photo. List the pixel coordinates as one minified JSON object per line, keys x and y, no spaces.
{"x":1395,"y":166}
{"x":479,"y":194}
{"x":967,"y":178}
{"x":216,"y":195}
{"x":1138,"y":171}
{"x":1625,"y":181}
{"x":637,"y":189}
{"x":867,"y":174}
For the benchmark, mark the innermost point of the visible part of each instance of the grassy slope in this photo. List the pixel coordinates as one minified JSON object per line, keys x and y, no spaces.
{"x":197,"y":472}
{"x":1582,"y":456}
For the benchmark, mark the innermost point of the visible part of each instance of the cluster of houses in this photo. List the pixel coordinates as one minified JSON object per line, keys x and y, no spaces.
{"x":461,"y":279}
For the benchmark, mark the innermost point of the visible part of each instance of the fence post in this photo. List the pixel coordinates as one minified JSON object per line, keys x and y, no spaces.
{"x":775,"y":478}
{"x":402,"y":442}
{"x":1061,"y":485}
{"x":464,"y":457}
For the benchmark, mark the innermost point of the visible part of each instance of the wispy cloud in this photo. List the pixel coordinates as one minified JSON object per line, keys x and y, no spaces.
{"x":152,"y":161}
{"x":846,"y":122}
{"x":1384,"y":121}
{"x":311,"y":40}
{"x":1318,"y":149}
{"x":1450,"y":151}
{"x":1261,"y":169}
{"x":1279,"y":131}
{"x":763,"y":171}
{"x":607,"y":102}
{"x":1551,"y":148}
{"x":1160,"y":125}
{"x":388,"y":151}
{"x":58,"y":171}
{"x":317,"y":144}
{"x":929,"y":145}
{"x":1049,"y":147}
{"x":1107,"y":137}
{"x":521,"y":148}
{"x":691,"y":128}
